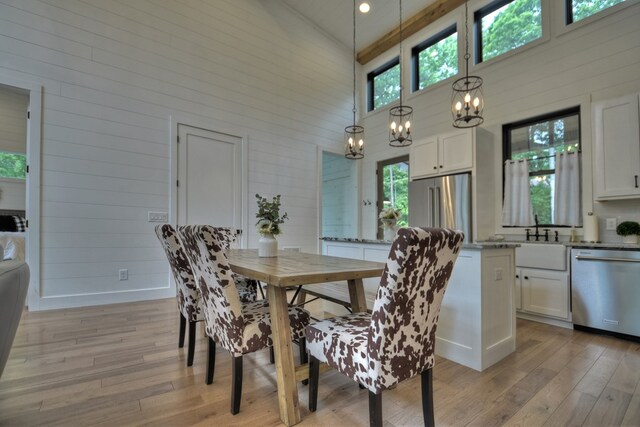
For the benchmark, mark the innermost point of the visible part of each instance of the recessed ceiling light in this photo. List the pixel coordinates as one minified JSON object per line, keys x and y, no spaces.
{"x":364,"y":7}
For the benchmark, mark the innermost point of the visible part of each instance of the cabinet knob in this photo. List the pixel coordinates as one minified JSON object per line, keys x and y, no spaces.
{"x":526,"y":277}
{"x":517,"y":276}
{"x":636,"y":181}
{"x":435,"y":167}
{"x":440,"y":165}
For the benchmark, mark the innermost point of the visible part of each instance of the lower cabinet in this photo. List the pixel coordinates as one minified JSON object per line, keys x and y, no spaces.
{"x":543,"y":292}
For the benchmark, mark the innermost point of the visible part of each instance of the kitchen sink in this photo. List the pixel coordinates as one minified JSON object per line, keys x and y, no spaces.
{"x":549,"y":256}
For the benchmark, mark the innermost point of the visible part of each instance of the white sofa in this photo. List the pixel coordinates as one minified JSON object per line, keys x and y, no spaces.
{"x":14,"y":282}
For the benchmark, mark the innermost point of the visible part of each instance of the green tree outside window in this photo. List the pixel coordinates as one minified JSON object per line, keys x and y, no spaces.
{"x":13,"y":165}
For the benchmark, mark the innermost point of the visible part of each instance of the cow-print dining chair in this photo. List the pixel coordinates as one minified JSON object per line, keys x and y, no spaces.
{"x":187,"y":293}
{"x":238,"y":328}
{"x":396,"y":341}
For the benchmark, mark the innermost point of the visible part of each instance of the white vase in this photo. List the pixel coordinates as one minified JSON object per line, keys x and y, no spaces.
{"x":267,"y":246}
{"x":632,"y":239}
{"x":389,"y":230}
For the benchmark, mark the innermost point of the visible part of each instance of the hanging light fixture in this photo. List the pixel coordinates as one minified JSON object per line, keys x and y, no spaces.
{"x":354,"y":134}
{"x":467,"y":101}
{"x":400,"y":117}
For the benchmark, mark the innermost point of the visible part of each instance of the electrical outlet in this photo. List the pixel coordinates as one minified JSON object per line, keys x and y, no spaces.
{"x":611,"y":223}
{"x":498,"y":274}
{"x":158,"y":216}
{"x":123,"y":274}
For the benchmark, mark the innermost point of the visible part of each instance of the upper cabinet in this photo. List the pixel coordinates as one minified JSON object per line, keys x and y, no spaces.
{"x":617,"y":148}
{"x":442,"y":154}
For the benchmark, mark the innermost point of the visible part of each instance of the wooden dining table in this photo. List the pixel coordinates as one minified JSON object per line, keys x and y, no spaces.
{"x":292,"y":269}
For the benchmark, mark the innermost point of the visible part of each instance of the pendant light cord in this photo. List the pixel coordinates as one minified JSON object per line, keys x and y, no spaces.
{"x":354,"y":62}
{"x":400,"y":56}
{"x":466,"y":38}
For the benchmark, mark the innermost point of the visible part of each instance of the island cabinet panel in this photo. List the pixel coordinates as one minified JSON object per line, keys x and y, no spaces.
{"x":477,"y":320}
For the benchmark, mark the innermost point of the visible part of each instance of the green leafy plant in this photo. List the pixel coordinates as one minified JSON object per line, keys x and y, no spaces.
{"x":269,"y":218}
{"x":628,"y":228}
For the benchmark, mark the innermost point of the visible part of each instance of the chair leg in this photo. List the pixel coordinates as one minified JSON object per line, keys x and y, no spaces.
{"x":375,"y":409}
{"x":236,"y":385}
{"x":211,"y":361}
{"x":259,"y":285}
{"x":183,"y":327}
{"x":272,"y":357}
{"x":314,"y":377}
{"x":304,"y":357}
{"x":192,"y":343}
{"x":427,"y":397}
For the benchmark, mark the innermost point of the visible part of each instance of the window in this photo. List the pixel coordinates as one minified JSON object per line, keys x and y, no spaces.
{"x":13,"y":165}
{"x":383,"y":85}
{"x":505,"y":25}
{"x":393,"y":188}
{"x":538,"y":140}
{"x":581,"y":9}
{"x":435,"y":59}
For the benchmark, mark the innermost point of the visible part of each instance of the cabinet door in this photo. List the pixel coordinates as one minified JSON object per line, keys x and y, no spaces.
{"x":456,"y":151}
{"x":545,"y":292}
{"x":617,"y":148}
{"x":423,"y":158}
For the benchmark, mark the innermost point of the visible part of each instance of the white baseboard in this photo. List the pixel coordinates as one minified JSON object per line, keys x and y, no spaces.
{"x":547,"y":320}
{"x":85,"y":300}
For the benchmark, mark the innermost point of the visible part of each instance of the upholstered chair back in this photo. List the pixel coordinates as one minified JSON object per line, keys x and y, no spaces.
{"x":402,"y":333}
{"x":187,"y":293}
{"x":206,"y":249}
{"x":228,"y":236}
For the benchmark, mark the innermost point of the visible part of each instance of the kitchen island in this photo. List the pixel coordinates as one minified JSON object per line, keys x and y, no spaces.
{"x":477,"y":324}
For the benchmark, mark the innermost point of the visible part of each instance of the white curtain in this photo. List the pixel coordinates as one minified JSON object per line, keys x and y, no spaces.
{"x":566,"y":206}
{"x":516,"y":210}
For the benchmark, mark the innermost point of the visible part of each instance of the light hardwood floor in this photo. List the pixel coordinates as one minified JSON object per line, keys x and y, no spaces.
{"x":120,"y":365}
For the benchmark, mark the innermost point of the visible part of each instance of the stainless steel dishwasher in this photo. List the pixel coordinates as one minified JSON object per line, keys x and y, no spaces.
{"x":605,"y":290}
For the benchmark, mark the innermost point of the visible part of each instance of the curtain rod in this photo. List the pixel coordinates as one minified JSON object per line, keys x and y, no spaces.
{"x":545,"y":157}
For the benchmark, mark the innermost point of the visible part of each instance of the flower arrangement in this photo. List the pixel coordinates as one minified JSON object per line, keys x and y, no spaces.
{"x":268,"y":215}
{"x":628,"y":228}
{"x":389,"y":216}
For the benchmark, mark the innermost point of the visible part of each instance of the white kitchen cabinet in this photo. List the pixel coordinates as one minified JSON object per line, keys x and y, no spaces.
{"x":518,"y":292}
{"x":443,"y":154}
{"x":617,"y":148}
{"x":544,"y":292}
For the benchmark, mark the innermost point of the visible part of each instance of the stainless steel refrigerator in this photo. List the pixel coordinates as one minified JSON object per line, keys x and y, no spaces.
{"x":441,"y":202}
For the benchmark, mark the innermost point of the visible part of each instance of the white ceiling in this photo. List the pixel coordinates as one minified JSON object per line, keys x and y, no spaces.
{"x":335,"y":17}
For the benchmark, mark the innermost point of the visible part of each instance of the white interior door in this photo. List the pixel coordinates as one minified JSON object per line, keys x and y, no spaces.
{"x":209,"y":178}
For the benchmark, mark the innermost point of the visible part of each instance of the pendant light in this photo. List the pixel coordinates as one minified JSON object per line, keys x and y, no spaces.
{"x":354,"y":134}
{"x":400,"y":117}
{"x":467,"y":101}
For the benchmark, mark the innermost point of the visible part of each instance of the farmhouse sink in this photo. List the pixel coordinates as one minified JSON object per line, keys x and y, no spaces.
{"x":550,"y":256}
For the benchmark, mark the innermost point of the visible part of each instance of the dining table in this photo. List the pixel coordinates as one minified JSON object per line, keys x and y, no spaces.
{"x":291,"y":269}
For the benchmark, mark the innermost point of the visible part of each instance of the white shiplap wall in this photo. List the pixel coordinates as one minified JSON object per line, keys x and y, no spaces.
{"x":114,"y":72}
{"x":596,"y":60}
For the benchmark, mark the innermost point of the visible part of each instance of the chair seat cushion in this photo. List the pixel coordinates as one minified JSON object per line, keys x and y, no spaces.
{"x":257,"y":331}
{"x":247,"y":289}
{"x":341,"y":342}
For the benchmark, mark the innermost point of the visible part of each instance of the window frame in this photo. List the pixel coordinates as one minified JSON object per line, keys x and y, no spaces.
{"x":568,"y":12}
{"x":480,"y":13}
{"x":424,"y":45}
{"x":506,"y":146}
{"x":380,"y":185}
{"x":371,"y":75}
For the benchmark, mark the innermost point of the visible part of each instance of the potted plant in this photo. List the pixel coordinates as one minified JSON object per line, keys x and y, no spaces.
{"x":268,"y":225}
{"x":389,"y":218}
{"x":629,"y":230}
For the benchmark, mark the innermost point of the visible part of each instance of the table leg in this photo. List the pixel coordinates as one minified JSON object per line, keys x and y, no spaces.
{"x":356,"y":294}
{"x":285,"y":369}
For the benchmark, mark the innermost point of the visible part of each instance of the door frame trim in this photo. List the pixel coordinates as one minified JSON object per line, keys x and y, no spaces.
{"x":176,"y":120}
{"x":32,"y":197}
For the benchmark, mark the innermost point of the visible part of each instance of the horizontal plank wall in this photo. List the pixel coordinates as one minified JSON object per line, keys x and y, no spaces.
{"x":596,"y":60}
{"x":114,"y":72}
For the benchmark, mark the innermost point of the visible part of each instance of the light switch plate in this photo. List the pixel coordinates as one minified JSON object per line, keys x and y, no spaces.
{"x":158,"y":217}
{"x":611,"y":223}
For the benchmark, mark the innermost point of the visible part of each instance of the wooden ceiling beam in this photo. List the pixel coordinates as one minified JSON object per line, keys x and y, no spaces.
{"x":417,"y":22}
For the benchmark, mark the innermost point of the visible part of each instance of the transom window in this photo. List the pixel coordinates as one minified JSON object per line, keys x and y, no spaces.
{"x":13,"y":165}
{"x":393,"y":188}
{"x":538,"y":140}
{"x":383,"y":85}
{"x":578,"y":10}
{"x":504,"y":25}
{"x":435,"y":59}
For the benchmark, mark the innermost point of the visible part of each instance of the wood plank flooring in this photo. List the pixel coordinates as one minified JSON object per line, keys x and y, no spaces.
{"x":120,"y":365}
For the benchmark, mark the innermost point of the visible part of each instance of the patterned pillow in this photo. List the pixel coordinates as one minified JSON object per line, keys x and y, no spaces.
{"x":7,"y":223}
{"x":21,"y":223}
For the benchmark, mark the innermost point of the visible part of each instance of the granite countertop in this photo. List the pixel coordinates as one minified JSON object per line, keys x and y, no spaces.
{"x":476,"y":245}
{"x":600,"y":245}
